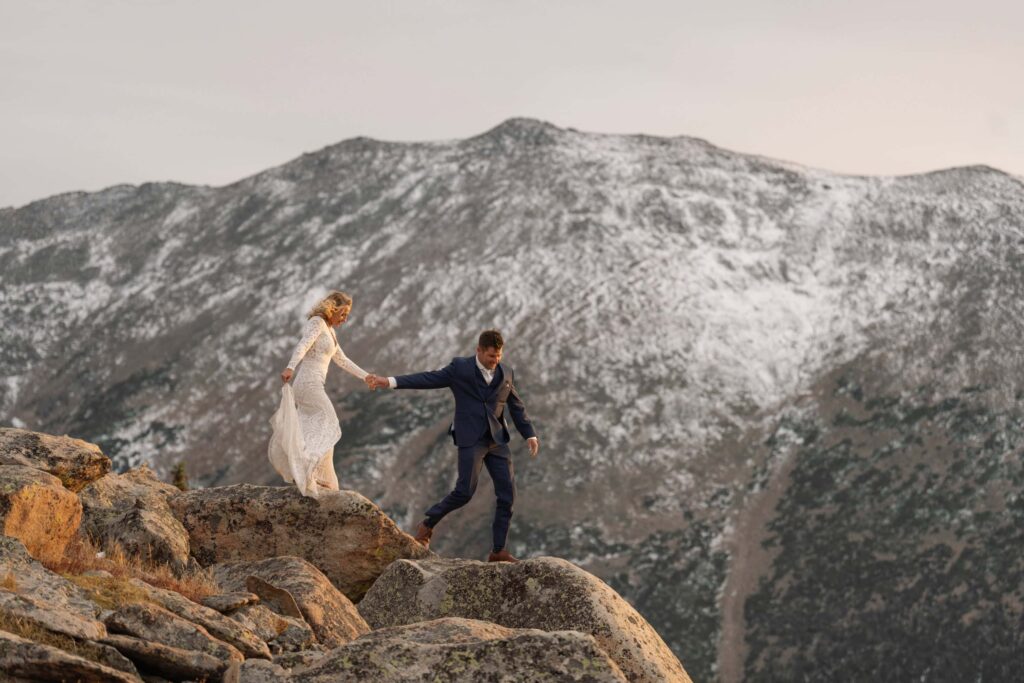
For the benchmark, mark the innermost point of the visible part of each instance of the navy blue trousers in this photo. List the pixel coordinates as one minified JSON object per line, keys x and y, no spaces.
{"x":498,"y":460}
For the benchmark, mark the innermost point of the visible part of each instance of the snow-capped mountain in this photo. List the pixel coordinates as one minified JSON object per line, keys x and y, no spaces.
{"x":778,"y":407}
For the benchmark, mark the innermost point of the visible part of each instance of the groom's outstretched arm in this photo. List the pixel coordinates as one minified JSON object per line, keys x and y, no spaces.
{"x":434,"y":379}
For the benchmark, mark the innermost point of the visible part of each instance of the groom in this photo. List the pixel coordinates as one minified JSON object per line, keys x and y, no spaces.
{"x":482,"y":388}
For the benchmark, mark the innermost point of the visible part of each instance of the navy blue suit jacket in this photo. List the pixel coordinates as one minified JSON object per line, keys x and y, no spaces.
{"x":479,"y":407}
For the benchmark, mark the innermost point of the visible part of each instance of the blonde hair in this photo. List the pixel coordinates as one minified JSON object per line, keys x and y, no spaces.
{"x":330,"y":304}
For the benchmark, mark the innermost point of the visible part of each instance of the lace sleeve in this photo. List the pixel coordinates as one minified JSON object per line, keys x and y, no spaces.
{"x":313,"y":329}
{"x":343,"y":362}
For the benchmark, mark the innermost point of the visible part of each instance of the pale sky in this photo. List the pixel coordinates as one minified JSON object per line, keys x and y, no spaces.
{"x":96,"y":93}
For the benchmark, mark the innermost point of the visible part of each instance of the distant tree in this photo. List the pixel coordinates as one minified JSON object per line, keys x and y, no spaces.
{"x":181,"y":477}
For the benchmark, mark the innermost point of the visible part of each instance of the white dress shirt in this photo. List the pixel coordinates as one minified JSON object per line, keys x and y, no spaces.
{"x":488,"y":374}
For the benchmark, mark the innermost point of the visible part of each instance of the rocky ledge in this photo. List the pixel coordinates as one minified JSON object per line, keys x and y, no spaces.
{"x":121,"y":577}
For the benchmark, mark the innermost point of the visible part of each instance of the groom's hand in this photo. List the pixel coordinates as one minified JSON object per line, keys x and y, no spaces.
{"x":534,"y":445}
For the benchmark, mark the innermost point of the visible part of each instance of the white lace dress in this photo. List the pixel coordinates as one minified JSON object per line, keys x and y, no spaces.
{"x":305,"y":426}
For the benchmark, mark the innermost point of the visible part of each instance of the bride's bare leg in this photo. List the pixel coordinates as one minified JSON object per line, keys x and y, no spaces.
{"x":325,"y":475}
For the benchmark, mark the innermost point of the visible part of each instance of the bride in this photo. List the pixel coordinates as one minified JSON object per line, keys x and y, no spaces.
{"x":305,"y":426}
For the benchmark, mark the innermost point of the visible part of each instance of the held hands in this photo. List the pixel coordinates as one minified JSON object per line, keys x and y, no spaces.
{"x":286,"y":375}
{"x":377,"y":382}
{"x":534,"y":445}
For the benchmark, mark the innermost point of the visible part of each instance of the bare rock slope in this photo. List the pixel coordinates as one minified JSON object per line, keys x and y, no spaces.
{"x":279,"y":617}
{"x":545,"y":593}
{"x":342,"y":534}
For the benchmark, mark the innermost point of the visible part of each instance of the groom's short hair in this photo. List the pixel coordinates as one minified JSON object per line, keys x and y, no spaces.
{"x":491,"y":339}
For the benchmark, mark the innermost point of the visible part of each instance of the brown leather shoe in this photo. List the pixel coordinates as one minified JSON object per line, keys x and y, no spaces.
{"x":423,"y":534}
{"x":501,"y":556}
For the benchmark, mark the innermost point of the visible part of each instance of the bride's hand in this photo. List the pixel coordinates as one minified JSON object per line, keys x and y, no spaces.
{"x":370,"y":381}
{"x":286,"y":375}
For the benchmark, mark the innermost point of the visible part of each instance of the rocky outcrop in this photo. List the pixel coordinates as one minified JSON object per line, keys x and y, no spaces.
{"x":26,"y":660}
{"x":43,"y":615}
{"x":255,"y":671}
{"x":218,"y":625}
{"x":280,"y":617}
{"x":451,"y":651}
{"x":157,"y":625}
{"x":36,"y":509}
{"x":122,"y":490}
{"x":73,"y":461}
{"x":167,"y":661}
{"x":342,"y":533}
{"x":282,"y":633}
{"x":33,"y":579}
{"x":331,"y":615}
{"x":298,"y":660}
{"x":104,"y":654}
{"x":545,"y":593}
{"x":132,"y":510}
{"x":36,"y":600}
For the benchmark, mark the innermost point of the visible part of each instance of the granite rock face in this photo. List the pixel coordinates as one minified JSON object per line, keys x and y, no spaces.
{"x":53,"y":618}
{"x":157,"y":625}
{"x":545,"y":593}
{"x":36,"y":509}
{"x":168,"y":661}
{"x":218,"y":625}
{"x":342,"y":534}
{"x":255,"y":671}
{"x":33,"y":579}
{"x":25,"y":660}
{"x":331,"y":615}
{"x":282,"y":633}
{"x":132,"y":510}
{"x":283,"y":619}
{"x":75,"y":462}
{"x":452,"y":650}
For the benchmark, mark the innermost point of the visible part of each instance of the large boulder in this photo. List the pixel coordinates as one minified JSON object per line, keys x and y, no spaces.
{"x":451,"y":651}
{"x":73,"y":461}
{"x":331,"y":615}
{"x":544,"y":593}
{"x":342,"y":533}
{"x":36,"y":509}
{"x":29,"y":577}
{"x":122,"y":490}
{"x":132,"y":510}
{"x":26,"y":660}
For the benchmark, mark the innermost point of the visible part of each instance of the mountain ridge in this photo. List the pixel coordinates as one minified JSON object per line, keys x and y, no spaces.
{"x":679,"y":317}
{"x":514,"y":124}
